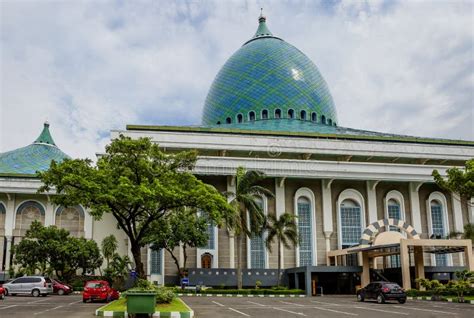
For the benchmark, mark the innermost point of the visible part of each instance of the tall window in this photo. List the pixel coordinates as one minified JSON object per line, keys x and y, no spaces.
{"x":2,"y":216}
{"x":228,"y":120}
{"x":264,"y":114}
{"x":240,"y":118}
{"x":210,"y":231}
{"x":351,"y":227}
{"x":305,"y":232}
{"x":438,"y":228}
{"x":394,"y":212}
{"x":156,"y":262}
{"x":71,"y":219}
{"x":323,"y":119}
{"x":26,"y":213}
{"x":314,"y":117}
{"x":330,"y":122}
{"x":257,"y":246}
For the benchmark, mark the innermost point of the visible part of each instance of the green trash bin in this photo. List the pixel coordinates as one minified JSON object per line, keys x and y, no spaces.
{"x":141,"y":302}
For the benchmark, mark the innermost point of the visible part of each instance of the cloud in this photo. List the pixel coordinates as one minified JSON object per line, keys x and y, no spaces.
{"x":89,"y":67}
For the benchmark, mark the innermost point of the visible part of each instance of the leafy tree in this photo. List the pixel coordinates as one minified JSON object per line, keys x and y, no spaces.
{"x":136,"y":183}
{"x":48,"y":249}
{"x":248,"y":218}
{"x":185,"y":228}
{"x":458,"y":181}
{"x":109,"y":247}
{"x":284,"y":230}
{"x":468,"y":233}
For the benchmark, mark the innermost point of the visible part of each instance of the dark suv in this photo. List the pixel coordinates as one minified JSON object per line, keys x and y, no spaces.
{"x":382,"y":291}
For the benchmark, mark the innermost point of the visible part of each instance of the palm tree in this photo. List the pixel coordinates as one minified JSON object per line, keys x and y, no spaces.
{"x":284,"y":229}
{"x":249,"y":217}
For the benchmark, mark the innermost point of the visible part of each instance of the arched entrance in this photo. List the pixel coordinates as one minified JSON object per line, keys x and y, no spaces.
{"x":206,"y":260}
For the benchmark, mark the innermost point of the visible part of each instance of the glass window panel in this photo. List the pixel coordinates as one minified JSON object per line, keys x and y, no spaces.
{"x":305,"y":233}
{"x":156,"y":262}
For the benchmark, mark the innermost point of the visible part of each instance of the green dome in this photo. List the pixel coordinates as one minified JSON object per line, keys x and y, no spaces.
{"x":268,"y":79}
{"x":32,"y":158}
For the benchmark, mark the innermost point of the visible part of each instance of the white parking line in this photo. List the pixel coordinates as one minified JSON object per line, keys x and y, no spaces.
{"x":386,"y":311}
{"x":289,"y":311}
{"x":37,"y":301}
{"x":337,"y":311}
{"x":429,"y":310}
{"x":74,"y":302}
{"x":242,"y":313}
{"x":252,"y":302}
{"x":8,"y":307}
{"x":219,"y":304}
{"x":325,"y":303}
{"x":288,"y":303}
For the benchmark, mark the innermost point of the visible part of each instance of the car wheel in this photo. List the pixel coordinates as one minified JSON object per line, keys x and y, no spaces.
{"x":61,"y":292}
{"x":360,"y":298}
{"x":35,"y":293}
{"x":380,"y":299}
{"x":6,"y":292}
{"x":402,"y":301}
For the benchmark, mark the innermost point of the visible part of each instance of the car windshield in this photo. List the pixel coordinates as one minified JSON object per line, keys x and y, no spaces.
{"x":94,"y":285}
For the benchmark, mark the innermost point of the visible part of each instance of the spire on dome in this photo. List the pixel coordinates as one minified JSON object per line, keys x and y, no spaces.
{"x":262,"y":26}
{"x":45,"y":136}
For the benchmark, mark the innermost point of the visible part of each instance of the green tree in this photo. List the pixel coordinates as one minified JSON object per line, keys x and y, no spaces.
{"x":248,"y":218}
{"x":284,"y":230}
{"x":109,"y":247}
{"x":458,"y":181}
{"x":185,"y":228}
{"x":136,"y":183}
{"x":48,"y":249}
{"x":467,"y":234}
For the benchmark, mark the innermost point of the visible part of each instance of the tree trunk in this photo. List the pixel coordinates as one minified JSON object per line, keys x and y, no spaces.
{"x":239,"y":261}
{"x":137,"y":258}
{"x":279,"y":262}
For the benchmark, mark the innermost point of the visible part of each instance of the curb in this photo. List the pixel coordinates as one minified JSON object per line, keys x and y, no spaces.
{"x":450,"y":300}
{"x":240,"y":295}
{"x":170,"y":314}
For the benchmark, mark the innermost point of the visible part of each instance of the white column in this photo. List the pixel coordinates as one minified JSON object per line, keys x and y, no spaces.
{"x":8,"y":238}
{"x":49,"y":213}
{"x":372,"y":201}
{"x":181,"y":255}
{"x":280,"y":209}
{"x":457,"y":216}
{"x":88,"y":225}
{"x":415,"y":205}
{"x":10,"y":215}
{"x":470,"y":209}
{"x":231,"y":188}
{"x":327,"y":213}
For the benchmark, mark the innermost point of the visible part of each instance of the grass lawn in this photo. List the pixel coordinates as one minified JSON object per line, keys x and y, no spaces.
{"x":121,"y":305}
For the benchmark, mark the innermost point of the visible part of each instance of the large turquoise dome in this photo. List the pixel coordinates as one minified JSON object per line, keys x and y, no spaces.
{"x":268,"y":79}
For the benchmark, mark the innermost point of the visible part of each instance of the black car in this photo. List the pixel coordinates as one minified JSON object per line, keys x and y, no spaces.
{"x":382,"y":291}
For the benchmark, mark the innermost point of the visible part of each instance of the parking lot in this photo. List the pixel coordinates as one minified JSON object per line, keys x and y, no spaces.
{"x":50,"y":306}
{"x":327,"y":306}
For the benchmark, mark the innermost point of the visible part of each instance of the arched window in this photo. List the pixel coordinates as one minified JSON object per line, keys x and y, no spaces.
{"x":303,"y":115}
{"x":277,"y":113}
{"x":256,"y":243}
{"x":212,"y":242}
{"x":314,"y":117}
{"x":240,"y":118}
{"x":206,"y":260}
{"x":323,"y":119}
{"x":228,"y":120}
{"x":335,"y":124}
{"x":330,"y":122}
{"x":438,"y":228}
{"x":351,"y":223}
{"x":218,"y":122}
{"x":305,"y":231}
{"x":291,"y":113}
{"x":252,"y":116}
{"x":264,"y":114}
{"x":156,"y":262}
{"x":394,"y":210}
{"x":26,"y":213}
{"x":71,"y":219}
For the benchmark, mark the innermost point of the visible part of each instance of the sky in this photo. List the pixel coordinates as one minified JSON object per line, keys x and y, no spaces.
{"x":88,"y":67}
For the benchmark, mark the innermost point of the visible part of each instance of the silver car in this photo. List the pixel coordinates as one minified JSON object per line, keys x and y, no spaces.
{"x":34,"y":285}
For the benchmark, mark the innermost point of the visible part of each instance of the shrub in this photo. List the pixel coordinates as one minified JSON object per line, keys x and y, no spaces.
{"x":164,"y":295}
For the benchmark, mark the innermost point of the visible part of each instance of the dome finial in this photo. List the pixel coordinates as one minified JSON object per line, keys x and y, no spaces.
{"x":261,"y":18}
{"x":262,"y":26}
{"x":45,"y":136}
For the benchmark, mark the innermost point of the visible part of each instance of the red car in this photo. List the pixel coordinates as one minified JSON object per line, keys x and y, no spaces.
{"x":61,"y":288}
{"x":99,"y":290}
{"x":2,"y":293}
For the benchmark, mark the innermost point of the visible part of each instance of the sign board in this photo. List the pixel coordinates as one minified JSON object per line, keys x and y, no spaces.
{"x":184,"y":281}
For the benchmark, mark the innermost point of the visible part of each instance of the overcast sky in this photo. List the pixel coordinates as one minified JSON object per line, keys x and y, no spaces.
{"x":88,"y":67}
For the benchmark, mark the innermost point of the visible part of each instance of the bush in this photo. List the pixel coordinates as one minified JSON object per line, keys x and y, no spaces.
{"x":164,"y":295}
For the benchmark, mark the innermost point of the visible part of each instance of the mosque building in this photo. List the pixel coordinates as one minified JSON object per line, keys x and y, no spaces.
{"x":270,"y":109}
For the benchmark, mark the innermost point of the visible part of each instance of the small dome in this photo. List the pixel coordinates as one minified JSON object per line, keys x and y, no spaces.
{"x":32,"y":158}
{"x":268,"y":79}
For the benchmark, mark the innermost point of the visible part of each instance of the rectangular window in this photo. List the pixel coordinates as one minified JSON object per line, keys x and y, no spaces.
{"x":305,"y":229}
{"x":350,"y":226}
{"x":438,"y":229}
{"x":394,"y":213}
{"x":156,"y":262}
{"x":257,"y":252}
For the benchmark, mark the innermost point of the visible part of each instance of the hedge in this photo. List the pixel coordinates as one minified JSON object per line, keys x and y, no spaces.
{"x":245,"y":291}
